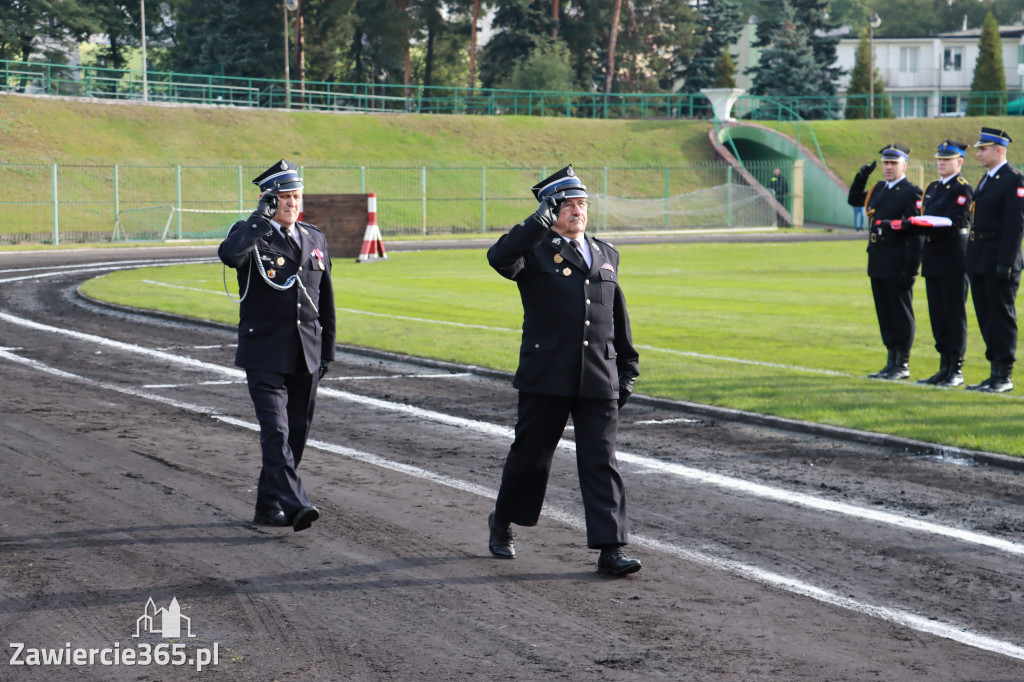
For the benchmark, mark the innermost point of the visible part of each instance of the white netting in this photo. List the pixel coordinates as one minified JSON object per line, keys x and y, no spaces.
{"x":722,"y":206}
{"x":163,"y":221}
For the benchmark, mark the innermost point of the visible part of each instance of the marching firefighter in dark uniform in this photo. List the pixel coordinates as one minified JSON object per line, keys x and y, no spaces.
{"x":994,"y":258}
{"x":893,"y":255}
{"x":943,"y":268}
{"x":576,"y":358}
{"x":285,"y":335}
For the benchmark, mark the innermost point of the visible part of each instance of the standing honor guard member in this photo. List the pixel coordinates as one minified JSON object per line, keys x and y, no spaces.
{"x":943,"y":269}
{"x":994,"y":257}
{"x":893,"y":255}
{"x":285,"y":335}
{"x":577,"y":358}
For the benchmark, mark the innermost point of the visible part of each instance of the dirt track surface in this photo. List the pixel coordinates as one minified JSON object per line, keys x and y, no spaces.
{"x":130,"y":457}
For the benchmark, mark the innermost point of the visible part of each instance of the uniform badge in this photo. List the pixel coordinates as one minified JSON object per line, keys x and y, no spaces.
{"x":280,"y":261}
{"x":607,"y":266}
{"x":570,"y":172}
{"x":556,"y":241}
{"x":558,"y":258}
{"x":567,"y":272}
{"x":284,"y":166}
{"x":271,"y":273}
{"x":917,"y":204}
{"x":1020,"y":192}
{"x":961,"y":200}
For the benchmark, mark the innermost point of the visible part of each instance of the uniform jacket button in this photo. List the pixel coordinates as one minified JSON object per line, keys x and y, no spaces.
{"x":586,"y":343}
{"x":586,"y":323}
{"x":588,"y":301}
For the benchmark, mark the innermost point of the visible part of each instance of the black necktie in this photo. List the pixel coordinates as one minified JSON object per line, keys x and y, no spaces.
{"x":982,"y":183}
{"x":576,"y":246}
{"x":294,"y":243}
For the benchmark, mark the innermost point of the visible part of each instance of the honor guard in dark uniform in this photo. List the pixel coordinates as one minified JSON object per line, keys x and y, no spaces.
{"x":893,"y":255}
{"x":285,"y":335}
{"x":994,"y":258}
{"x":943,"y":268}
{"x":576,"y":358}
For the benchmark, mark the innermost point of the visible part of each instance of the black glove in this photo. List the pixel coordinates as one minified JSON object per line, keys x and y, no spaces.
{"x":324,"y":366}
{"x":1003,"y":273}
{"x":545,"y":213}
{"x":907,"y":280}
{"x":267,"y":206}
{"x":867,"y":169}
{"x":625,"y":389}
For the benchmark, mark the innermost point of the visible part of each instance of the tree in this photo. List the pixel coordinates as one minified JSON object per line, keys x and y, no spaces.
{"x":725,"y":71}
{"x":858,"y":92}
{"x":804,"y":28}
{"x":988,"y":88}
{"x":228,"y":37}
{"x":547,"y":67}
{"x":520,"y":25}
{"x":24,"y":24}
{"x":719,"y":25}
{"x":787,"y":66}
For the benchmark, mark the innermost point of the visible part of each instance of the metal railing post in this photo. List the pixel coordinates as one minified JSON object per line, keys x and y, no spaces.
{"x":483,"y":199}
{"x":56,"y":208}
{"x":423,"y":194}
{"x":177,"y":192}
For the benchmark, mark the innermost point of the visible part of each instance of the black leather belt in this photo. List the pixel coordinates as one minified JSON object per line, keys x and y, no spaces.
{"x":984,"y":236}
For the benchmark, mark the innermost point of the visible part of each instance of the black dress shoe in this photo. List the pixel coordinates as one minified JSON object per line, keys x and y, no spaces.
{"x":615,"y":562}
{"x":500,"y":542}
{"x":272,"y":517}
{"x":304,"y":518}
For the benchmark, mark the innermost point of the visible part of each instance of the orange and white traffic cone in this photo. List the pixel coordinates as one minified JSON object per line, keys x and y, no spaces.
{"x":373,"y":243}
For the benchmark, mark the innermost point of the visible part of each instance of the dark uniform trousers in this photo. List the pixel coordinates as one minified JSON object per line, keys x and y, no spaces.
{"x":943,"y":265}
{"x":996,"y":241}
{"x":283,"y":336}
{"x":892,"y":255}
{"x":576,"y":346}
{"x":542,"y":420}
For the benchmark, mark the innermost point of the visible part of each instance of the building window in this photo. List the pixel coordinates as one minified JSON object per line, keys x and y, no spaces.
{"x":908,"y":59}
{"x":952,"y":105}
{"x":953,"y":59}
{"x":910,"y":107}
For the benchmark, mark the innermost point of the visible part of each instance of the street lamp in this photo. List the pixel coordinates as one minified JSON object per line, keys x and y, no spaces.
{"x":288,"y":5}
{"x":874,"y":22}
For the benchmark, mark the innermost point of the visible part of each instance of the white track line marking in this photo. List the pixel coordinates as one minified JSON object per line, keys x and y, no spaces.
{"x":679,"y":420}
{"x":690,"y":473}
{"x":901,"y":617}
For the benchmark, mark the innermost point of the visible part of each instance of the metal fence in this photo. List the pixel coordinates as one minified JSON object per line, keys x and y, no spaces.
{"x":67,"y":203}
{"x":185,"y":88}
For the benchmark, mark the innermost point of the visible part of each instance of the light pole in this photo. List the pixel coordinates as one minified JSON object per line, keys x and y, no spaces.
{"x":288,"y":5}
{"x":874,"y":22}
{"x":145,"y":83}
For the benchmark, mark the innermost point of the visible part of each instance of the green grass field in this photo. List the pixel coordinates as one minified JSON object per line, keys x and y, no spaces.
{"x":784,"y":329}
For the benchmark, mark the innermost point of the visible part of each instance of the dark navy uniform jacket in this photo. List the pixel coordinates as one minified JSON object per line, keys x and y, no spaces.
{"x":944,"y":247}
{"x":890,"y":252}
{"x":576,"y":336}
{"x":279,"y":331}
{"x":998,"y":223}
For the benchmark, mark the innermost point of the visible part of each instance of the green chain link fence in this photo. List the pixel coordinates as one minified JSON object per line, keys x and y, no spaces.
{"x":66,"y":203}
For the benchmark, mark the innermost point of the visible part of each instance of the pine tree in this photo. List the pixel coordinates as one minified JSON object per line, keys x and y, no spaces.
{"x":988,"y":89}
{"x":725,"y":71}
{"x":720,"y":24}
{"x":857,"y":94}
{"x":809,"y":21}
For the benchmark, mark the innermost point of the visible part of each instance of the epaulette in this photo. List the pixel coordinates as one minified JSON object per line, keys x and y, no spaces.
{"x":962,"y":180}
{"x":606,"y":243}
{"x":304,"y":224}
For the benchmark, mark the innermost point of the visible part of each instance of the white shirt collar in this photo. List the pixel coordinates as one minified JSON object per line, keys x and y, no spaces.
{"x":947,"y":178}
{"x":995,"y":170}
{"x":890,"y":185}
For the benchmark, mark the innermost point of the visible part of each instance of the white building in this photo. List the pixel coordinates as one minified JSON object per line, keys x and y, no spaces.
{"x":932,"y":76}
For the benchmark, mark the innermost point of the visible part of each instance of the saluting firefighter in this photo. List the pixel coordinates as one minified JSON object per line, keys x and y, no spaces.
{"x":285,"y":335}
{"x":943,"y":267}
{"x":994,"y":258}
{"x":893,"y":255}
{"x":576,"y":358}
